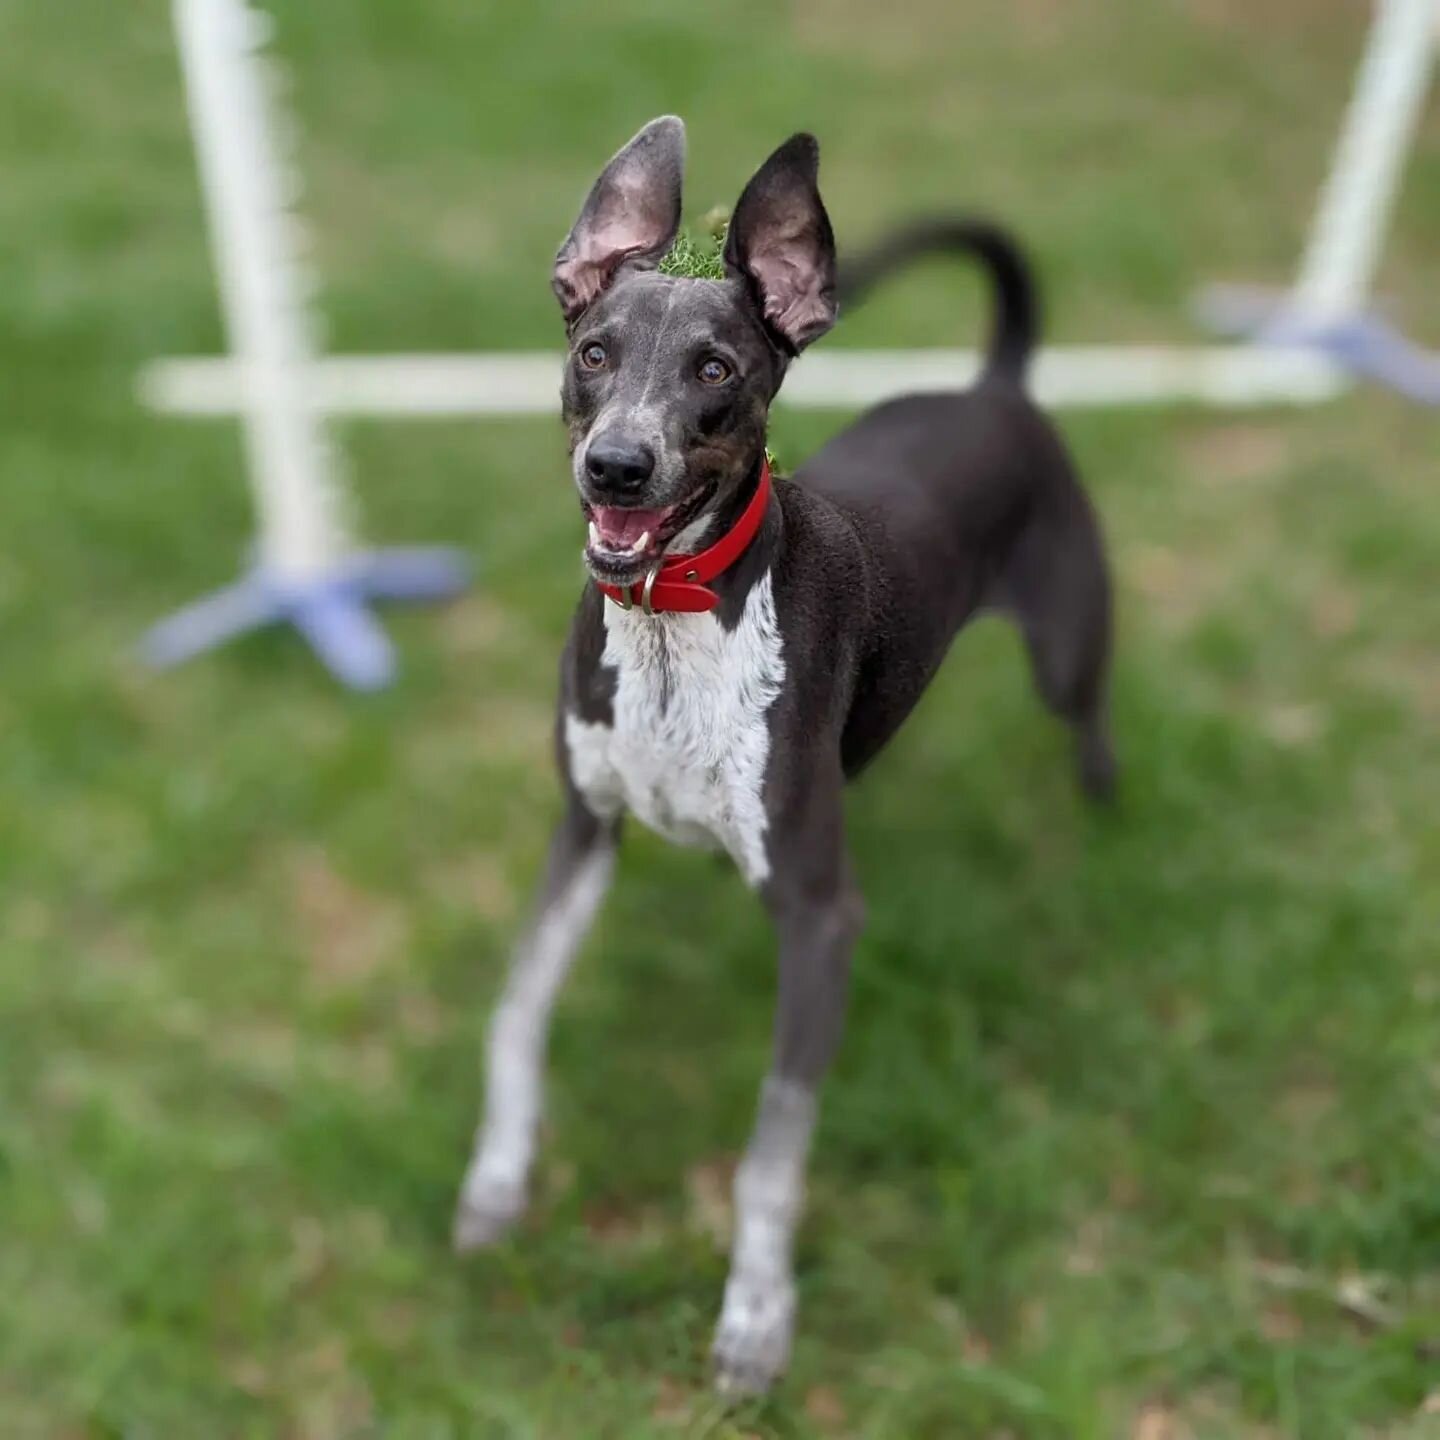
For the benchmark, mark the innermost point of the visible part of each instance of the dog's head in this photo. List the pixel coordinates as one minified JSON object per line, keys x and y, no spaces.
{"x":669,"y":380}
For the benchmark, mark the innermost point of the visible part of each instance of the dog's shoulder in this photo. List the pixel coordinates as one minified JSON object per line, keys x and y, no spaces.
{"x":822,"y":561}
{"x":824,"y":576}
{"x":587,"y":686}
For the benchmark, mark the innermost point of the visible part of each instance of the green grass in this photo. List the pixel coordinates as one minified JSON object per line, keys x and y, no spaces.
{"x":1134,"y":1130}
{"x":694,"y":258}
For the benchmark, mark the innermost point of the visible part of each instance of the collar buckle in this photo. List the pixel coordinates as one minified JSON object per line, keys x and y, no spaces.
{"x":648,"y":591}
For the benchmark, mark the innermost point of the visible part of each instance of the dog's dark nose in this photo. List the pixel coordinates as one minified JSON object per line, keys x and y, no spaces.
{"x":618,"y":467}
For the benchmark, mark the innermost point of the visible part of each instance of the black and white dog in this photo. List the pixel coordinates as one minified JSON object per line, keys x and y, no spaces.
{"x":748,"y":646}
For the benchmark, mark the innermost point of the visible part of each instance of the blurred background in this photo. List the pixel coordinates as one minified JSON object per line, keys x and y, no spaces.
{"x":1134,"y":1132}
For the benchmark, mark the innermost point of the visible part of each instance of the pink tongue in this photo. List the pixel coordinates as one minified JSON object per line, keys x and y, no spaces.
{"x":623,"y":527}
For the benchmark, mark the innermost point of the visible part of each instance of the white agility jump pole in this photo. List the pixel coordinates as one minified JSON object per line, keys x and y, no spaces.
{"x":307,"y":570}
{"x":1327,"y":309}
{"x":1313,"y":341}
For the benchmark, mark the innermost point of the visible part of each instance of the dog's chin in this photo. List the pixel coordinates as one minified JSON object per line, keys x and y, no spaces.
{"x":627,"y":542}
{"x":622,"y":571}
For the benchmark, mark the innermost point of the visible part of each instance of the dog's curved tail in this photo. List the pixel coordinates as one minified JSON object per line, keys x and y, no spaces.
{"x":1017,"y":305}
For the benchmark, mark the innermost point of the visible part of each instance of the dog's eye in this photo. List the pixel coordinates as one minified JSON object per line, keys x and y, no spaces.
{"x":594,"y":355}
{"x":714,"y":371}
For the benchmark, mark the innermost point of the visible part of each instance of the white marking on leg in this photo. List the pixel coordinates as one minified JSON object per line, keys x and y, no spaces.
{"x":752,"y":1340}
{"x":494,"y":1187}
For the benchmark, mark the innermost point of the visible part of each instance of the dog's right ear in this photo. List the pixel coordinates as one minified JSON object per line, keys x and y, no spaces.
{"x":632,"y":214}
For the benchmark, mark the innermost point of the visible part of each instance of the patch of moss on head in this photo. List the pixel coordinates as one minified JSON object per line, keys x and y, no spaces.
{"x":699,"y":255}
{"x":693,"y":259}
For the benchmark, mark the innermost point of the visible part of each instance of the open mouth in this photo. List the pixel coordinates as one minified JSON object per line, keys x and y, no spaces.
{"x":628,"y":540}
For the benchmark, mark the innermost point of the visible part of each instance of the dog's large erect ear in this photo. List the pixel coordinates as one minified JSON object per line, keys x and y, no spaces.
{"x":632,"y":213}
{"x":781,"y":242}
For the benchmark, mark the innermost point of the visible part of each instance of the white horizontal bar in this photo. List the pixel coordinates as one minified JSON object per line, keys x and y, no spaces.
{"x":528,"y":382}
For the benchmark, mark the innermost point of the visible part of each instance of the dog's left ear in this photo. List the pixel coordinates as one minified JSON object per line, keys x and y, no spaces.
{"x":630,"y":216}
{"x":781,"y":242}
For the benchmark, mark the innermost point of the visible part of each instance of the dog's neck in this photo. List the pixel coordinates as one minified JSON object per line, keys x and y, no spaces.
{"x":734,"y":584}
{"x":718,"y":519}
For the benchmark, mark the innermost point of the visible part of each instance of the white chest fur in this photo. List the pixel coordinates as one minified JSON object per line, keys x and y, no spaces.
{"x":688,"y":749}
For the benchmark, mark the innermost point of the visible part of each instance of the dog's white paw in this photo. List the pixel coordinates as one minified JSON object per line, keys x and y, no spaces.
{"x":489,"y":1205}
{"x":752,"y":1340}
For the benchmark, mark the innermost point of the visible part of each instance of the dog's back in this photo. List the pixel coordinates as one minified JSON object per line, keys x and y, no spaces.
{"x":960,"y":500}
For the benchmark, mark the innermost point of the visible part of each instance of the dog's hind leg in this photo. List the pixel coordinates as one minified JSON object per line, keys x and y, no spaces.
{"x":817,"y":913}
{"x":1056,"y":586}
{"x":582,"y":856}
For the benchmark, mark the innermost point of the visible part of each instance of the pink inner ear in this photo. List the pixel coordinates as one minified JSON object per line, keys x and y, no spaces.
{"x":789,"y":272}
{"x":580,"y":279}
{"x":627,"y":225}
{"x":804,"y":319}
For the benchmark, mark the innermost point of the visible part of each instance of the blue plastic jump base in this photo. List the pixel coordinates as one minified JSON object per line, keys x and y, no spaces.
{"x":1365,"y":345}
{"x":332,"y":613}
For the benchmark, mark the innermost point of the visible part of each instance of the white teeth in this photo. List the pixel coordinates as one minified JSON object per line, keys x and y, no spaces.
{"x":599,"y":542}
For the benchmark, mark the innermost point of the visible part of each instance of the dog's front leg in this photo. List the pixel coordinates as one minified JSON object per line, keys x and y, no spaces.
{"x":817,"y":912}
{"x":582,"y":856}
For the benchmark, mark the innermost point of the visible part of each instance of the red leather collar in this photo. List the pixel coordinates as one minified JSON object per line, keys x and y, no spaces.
{"x":681,"y":582}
